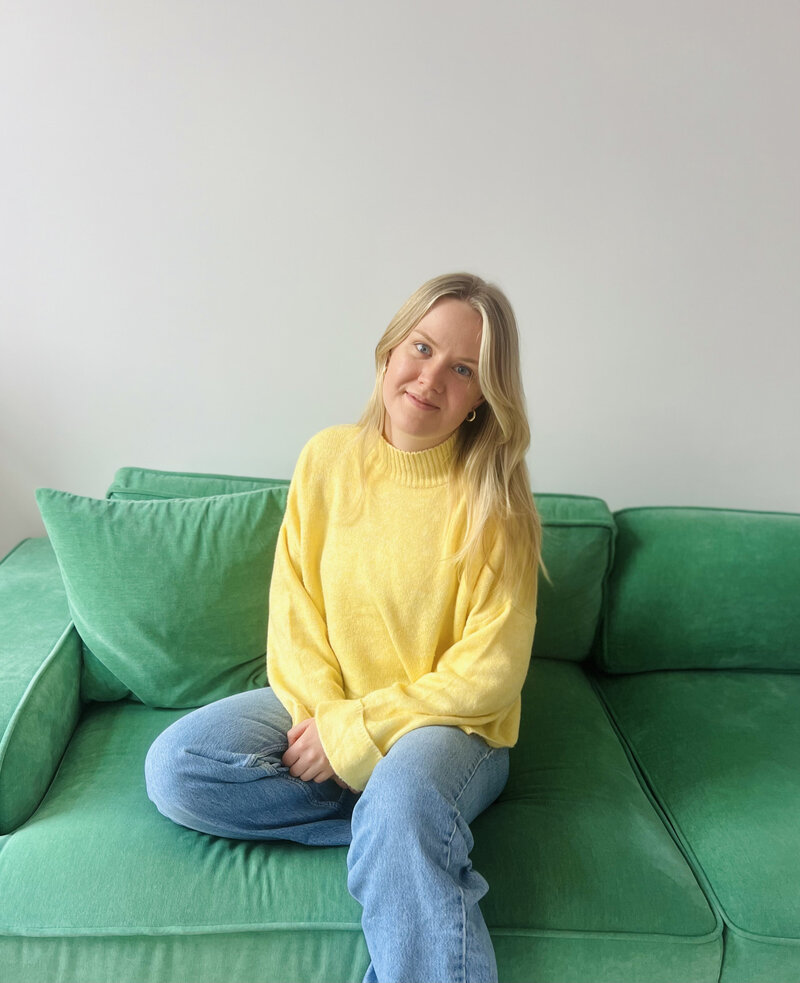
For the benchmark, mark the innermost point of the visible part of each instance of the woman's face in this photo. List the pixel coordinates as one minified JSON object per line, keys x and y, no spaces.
{"x":431,"y":380}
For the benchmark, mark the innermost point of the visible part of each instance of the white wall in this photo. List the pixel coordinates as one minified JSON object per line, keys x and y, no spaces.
{"x":210,"y":210}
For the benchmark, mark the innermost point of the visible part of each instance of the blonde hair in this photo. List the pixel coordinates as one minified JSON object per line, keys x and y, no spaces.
{"x":489,"y":464}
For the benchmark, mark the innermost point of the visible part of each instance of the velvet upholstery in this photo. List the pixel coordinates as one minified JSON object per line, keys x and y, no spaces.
{"x":40,"y":660}
{"x":577,"y":859}
{"x":168,"y":596}
{"x":730,"y":788}
{"x":703,"y":589}
{"x":647,"y":833}
{"x":577,"y":548}
{"x":136,"y":484}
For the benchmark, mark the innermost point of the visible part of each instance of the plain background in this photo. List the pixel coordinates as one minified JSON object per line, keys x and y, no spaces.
{"x":210,"y":210}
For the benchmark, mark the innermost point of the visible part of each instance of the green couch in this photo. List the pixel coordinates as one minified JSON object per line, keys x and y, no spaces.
{"x":648,"y":831}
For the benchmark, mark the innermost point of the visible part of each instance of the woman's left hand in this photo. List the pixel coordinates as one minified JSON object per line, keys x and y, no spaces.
{"x":305,"y":757}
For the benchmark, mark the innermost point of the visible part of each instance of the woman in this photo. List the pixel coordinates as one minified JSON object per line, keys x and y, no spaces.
{"x":402,"y":611}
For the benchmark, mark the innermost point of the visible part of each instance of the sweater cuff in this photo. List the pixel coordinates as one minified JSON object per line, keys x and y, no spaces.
{"x":346,"y":741}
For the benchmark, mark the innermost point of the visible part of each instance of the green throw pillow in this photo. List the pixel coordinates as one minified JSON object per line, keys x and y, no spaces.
{"x":168,"y":596}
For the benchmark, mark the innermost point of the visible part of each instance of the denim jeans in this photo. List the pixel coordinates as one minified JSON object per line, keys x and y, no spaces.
{"x":219,"y":770}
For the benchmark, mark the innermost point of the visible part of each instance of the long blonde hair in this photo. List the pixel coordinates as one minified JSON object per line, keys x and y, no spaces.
{"x":489,"y":464}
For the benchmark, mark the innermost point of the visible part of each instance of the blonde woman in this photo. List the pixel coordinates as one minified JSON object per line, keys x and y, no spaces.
{"x":402,"y":612}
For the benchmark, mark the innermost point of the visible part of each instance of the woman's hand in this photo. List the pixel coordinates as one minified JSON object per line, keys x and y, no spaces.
{"x":305,"y":757}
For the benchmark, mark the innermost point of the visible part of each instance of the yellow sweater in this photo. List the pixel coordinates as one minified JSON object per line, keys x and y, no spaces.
{"x":371,"y":629}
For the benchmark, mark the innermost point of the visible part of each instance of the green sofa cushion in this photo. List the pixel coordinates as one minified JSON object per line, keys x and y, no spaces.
{"x":169,"y":597}
{"x":145,"y":483}
{"x":194,"y":907}
{"x":40,"y":662}
{"x":593,"y":886}
{"x":578,"y":548}
{"x":585,"y":882}
{"x":703,"y":589}
{"x":720,"y":750}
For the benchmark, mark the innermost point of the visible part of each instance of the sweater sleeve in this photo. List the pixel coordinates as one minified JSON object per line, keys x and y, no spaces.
{"x":475,"y":685}
{"x":301,"y":666}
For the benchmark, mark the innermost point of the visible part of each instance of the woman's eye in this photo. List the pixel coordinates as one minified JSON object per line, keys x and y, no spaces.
{"x":422,"y":348}
{"x":464,"y":370}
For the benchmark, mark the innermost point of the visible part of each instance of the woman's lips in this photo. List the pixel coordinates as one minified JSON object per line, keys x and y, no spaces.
{"x":421,"y":403}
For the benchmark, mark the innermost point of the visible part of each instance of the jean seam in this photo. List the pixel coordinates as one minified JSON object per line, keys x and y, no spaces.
{"x":487,"y":754}
{"x":317,"y":803}
{"x":463,"y":967}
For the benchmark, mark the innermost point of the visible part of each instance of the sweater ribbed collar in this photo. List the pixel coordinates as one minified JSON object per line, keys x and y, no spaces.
{"x":420,"y":469}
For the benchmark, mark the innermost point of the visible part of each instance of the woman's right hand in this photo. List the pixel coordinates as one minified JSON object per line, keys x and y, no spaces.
{"x":305,"y":757}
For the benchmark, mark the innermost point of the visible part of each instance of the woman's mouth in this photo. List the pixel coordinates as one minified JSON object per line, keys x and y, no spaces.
{"x":420,"y":403}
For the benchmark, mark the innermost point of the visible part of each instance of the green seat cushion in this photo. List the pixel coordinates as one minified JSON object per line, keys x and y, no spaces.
{"x":146,"y":483}
{"x":585,"y":882}
{"x":721,"y":752}
{"x":703,"y":589}
{"x":593,"y":886}
{"x":169,"y":596}
{"x":577,"y":547}
{"x":99,"y":886}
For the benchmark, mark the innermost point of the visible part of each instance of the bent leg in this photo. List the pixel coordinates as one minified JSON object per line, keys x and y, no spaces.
{"x":218,"y":770}
{"x":409,"y":863}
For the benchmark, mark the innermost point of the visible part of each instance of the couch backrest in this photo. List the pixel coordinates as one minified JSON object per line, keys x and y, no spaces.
{"x":578,"y":549}
{"x":699,"y":588}
{"x":141,"y":484}
{"x":578,"y":546}
{"x":578,"y":541}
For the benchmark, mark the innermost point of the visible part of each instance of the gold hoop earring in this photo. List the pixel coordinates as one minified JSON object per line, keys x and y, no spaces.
{"x":471,"y":416}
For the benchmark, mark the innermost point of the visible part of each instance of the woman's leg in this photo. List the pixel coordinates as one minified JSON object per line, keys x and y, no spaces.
{"x":409,"y":863}
{"x":219,"y":770}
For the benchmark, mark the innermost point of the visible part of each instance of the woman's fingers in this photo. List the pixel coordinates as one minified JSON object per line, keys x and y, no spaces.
{"x":318,"y":775}
{"x":305,"y":757}
{"x":299,"y":729}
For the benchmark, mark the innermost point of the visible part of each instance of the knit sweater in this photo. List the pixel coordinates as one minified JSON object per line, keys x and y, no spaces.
{"x":373,"y":630}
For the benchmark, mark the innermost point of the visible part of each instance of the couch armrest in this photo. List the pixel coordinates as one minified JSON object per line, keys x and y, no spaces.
{"x":40,"y":668}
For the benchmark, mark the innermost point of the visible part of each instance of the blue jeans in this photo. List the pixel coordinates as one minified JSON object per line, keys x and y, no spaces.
{"x":219,"y":770}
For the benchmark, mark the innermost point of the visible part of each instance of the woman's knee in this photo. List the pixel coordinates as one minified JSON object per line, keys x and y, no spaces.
{"x":432,"y":773}
{"x":179,"y":765}
{"x":422,"y":797}
{"x":216,"y":743}
{"x":165,"y":772}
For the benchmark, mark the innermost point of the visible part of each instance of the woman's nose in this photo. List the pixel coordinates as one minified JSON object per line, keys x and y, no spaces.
{"x":432,"y":374}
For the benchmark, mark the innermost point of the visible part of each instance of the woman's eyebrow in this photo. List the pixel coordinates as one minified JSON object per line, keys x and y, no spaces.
{"x":469,"y":361}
